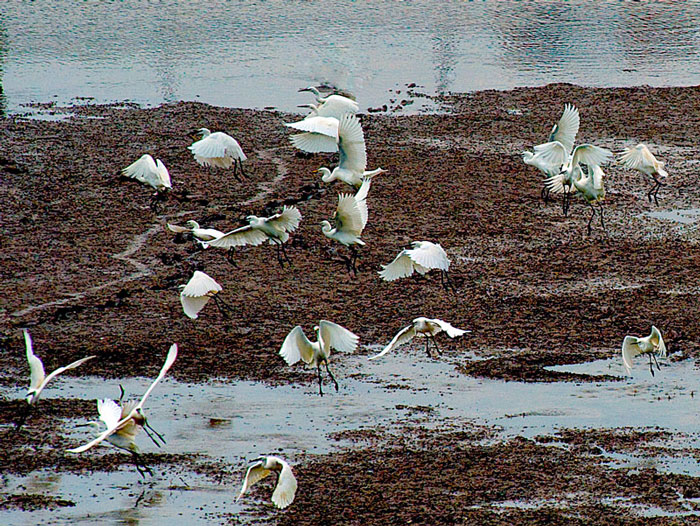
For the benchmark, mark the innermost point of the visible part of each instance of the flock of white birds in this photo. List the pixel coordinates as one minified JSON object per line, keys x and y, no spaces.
{"x":332,"y":126}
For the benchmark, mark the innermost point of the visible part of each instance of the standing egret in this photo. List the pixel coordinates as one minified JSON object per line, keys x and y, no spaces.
{"x":651,"y":345}
{"x":422,"y":258}
{"x":590,"y":185}
{"x":274,"y":229}
{"x":332,"y":105}
{"x":38,"y":378}
{"x":202,"y":235}
{"x":350,"y":220}
{"x":124,"y":422}
{"x":296,"y":346}
{"x":640,"y":158}
{"x":424,"y":327}
{"x":150,"y":172}
{"x":286,"y":486}
{"x":197,"y":293}
{"x":218,"y":149}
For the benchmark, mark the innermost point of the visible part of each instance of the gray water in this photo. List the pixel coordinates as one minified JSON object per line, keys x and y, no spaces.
{"x":256,"y":54}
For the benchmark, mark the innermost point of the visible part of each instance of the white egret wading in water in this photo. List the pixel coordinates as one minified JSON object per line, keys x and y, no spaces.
{"x":425,"y":327}
{"x":218,"y":149}
{"x":124,"y":422}
{"x":350,"y":220}
{"x":153,"y":173}
{"x":198,"y":291}
{"x":38,"y":378}
{"x":202,"y":235}
{"x":640,"y":158}
{"x":274,"y":229}
{"x":651,"y":345}
{"x":564,"y":132}
{"x":286,"y":487}
{"x":297,"y":346}
{"x":422,"y":258}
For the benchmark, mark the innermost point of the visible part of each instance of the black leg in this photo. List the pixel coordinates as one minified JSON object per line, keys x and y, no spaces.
{"x":278,"y":251}
{"x":146,"y":428}
{"x":432,"y":339}
{"x":655,"y":361}
{"x":353,"y":259}
{"x":446,"y":282}
{"x":240,"y":165}
{"x":229,"y":257}
{"x":651,"y":365}
{"x":427,"y":349}
{"x":590,"y":221}
{"x":318,"y":370}
{"x":284,"y":253}
{"x":331,"y":375}
{"x":224,"y":309}
{"x":141,"y":467}
{"x":602,"y":220}
{"x":23,"y":417}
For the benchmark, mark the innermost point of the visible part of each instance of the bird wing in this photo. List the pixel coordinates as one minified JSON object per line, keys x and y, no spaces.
{"x":288,"y":220}
{"x":552,"y":153}
{"x":590,"y":154}
{"x":162,"y":177}
{"x":336,"y":106}
{"x":348,"y":216}
{"x":169,"y":360}
{"x":110,"y":412}
{"x":141,"y":169}
{"x":401,"y":267}
{"x":403,"y":336}
{"x":178,"y":229}
{"x":451,"y":331}
{"x":327,"y":126}
{"x":566,"y":129}
{"x":597,"y":175}
{"x":351,"y":144}
{"x":296,"y":346}
{"x":200,"y":284}
{"x":36,"y":368}
{"x":333,"y":335}
{"x":314,"y":142}
{"x":192,"y":305}
{"x":58,"y":371}
{"x":658,"y":341}
{"x":255,"y":473}
{"x":286,"y":487}
{"x":361,"y":199}
{"x":555,"y":184}
{"x":218,"y":144}
{"x":430,"y":255}
{"x":630,"y":349}
{"x":245,"y":235}
{"x":638,"y":158}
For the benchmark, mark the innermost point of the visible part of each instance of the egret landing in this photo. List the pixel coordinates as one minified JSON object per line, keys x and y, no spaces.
{"x":422,"y":258}
{"x":286,"y":487}
{"x":651,"y":345}
{"x":425,"y":327}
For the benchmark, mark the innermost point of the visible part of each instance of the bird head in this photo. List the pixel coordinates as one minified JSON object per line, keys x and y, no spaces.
{"x":326,"y":227}
{"x":251,"y":219}
{"x":326,"y":174}
{"x":312,"y":89}
{"x":198,"y":134}
{"x":527,"y":156}
{"x":31,"y":397}
{"x":192,"y":224}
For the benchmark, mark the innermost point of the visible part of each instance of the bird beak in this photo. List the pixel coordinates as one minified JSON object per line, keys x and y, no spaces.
{"x":303,"y":89}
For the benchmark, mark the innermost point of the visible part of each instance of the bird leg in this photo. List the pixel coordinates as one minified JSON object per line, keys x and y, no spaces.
{"x":655,"y":361}
{"x":654,"y":190}
{"x":240,"y":165}
{"x":545,"y":194}
{"x":284,"y":253}
{"x":229,"y":257}
{"x":23,"y":417}
{"x":602,"y":220}
{"x":155,"y":201}
{"x":141,"y":466}
{"x":223,"y":307}
{"x":446,"y":282}
{"x":590,"y":221}
{"x":318,"y":370}
{"x":432,"y":339}
{"x":331,"y":375}
{"x":353,"y":259}
{"x":146,"y":427}
{"x":566,"y":203}
{"x":651,"y":364}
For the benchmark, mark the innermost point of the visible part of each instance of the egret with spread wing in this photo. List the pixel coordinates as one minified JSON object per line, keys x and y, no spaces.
{"x":218,"y":149}
{"x":153,"y":173}
{"x":422,"y":258}
{"x":286,"y":487}
{"x":640,"y":158}
{"x":425,"y":327}
{"x":202,"y":235}
{"x":652,"y":345}
{"x":198,"y":291}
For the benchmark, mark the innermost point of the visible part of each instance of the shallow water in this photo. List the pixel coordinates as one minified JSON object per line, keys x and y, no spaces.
{"x":255,"y":54}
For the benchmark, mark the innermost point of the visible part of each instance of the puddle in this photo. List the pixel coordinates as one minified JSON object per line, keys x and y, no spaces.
{"x":686,"y":216}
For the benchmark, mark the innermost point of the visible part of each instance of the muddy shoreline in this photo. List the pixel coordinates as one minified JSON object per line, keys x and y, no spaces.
{"x":88,"y":268}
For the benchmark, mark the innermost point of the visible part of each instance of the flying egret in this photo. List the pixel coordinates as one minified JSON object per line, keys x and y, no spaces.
{"x":422,"y":258}
{"x":198,"y":291}
{"x":332,"y":105}
{"x":640,"y":158}
{"x":350,"y":220}
{"x":150,"y":172}
{"x":202,"y":235}
{"x":296,"y":346}
{"x":124,"y":422}
{"x":564,"y":132}
{"x":38,"y":378}
{"x":651,"y":345}
{"x":286,"y":486}
{"x":590,"y":185}
{"x":218,"y":149}
{"x":274,"y":229}
{"x":425,"y":327}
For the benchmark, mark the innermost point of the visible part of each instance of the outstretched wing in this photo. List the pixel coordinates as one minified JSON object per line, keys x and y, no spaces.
{"x":58,"y":371}
{"x":286,"y":487}
{"x":141,"y":170}
{"x":200,"y":284}
{"x":178,"y":229}
{"x":351,"y":144}
{"x":36,"y":368}
{"x":288,"y":220}
{"x":658,"y":342}
{"x":191,"y":306}
{"x":630,"y":349}
{"x":552,"y":153}
{"x":296,"y":346}
{"x":555,"y":184}
{"x":314,"y":142}
{"x":246,"y":235}
{"x":361,"y":199}
{"x":110,"y":412}
{"x":255,"y":473}
{"x":337,"y":337}
{"x":348,"y":216}
{"x":566,"y":129}
{"x":401,"y":267}
{"x":590,"y":154}
{"x":430,"y":255}
{"x":336,"y":106}
{"x":451,"y":331}
{"x":403,"y":336}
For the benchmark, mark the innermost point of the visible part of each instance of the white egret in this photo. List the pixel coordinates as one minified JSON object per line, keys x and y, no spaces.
{"x":218,"y":149}
{"x":198,"y":291}
{"x":296,"y":346}
{"x":590,"y":185}
{"x":640,"y":158}
{"x":286,"y":486}
{"x":651,"y":345}
{"x":150,"y":172}
{"x":124,"y":422}
{"x":425,"y":327}
{"x":332,"y":105}
{"x":350,"y":220}
{"x":422,"y":258}
{"x":38,"y":378}
{"x":320,"y":134}
{"x":202,"y":235}
{"x":274,"y":229}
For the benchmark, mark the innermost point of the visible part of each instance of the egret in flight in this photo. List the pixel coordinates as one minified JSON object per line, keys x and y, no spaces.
{"x":218,"y":149}
{"x":425,"y":327}
{"x":124,"y":422}
{"x":422,"y":258}
{"x":274,"y":229}
{"x":198,"y":291}
{"x":202,"y":235}
{"x":38,"y":378}
{"x":652,"y":345}
{"x":153,"y":173}
{"x":640,"y":158}
{"x":297,"y":346}
{"x":262,"y":467}
{"x":350,"y":220}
